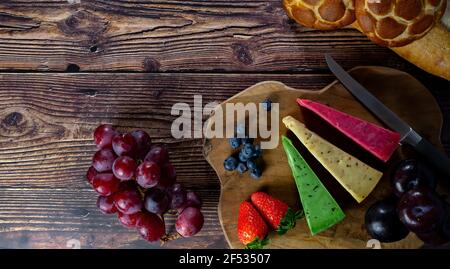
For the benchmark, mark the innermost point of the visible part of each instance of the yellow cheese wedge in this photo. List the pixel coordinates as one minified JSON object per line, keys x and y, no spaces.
{"x":356,"y":177}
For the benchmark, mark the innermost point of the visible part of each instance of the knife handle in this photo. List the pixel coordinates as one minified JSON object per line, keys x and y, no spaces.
{"x":434,"y":156}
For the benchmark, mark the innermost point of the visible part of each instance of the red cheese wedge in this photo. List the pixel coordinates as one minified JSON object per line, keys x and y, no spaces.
{"x":375,"y":139}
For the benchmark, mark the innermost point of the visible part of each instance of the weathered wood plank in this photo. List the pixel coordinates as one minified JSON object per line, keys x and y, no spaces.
{"x":159,"y":36}
{"x":46,"y":123}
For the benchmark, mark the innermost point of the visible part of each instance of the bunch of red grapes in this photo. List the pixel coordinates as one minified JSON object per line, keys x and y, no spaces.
{"x":136,"y":180}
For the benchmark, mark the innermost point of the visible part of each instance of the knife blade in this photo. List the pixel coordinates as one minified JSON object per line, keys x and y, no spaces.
{"x":408,"y":134}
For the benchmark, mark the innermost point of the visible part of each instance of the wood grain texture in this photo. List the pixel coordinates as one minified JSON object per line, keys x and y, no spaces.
{"x":277,"y":176}
{"x":159,"y":36}
{"x":46,"y":119}
{"x":46,"y":124}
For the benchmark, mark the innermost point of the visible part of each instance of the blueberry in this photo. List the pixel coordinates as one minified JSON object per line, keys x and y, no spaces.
{"x":235,"y":142}
{"x":248,"y":151}
{"x":242,"y":157}
{"x":240,"y":129}
{"x":241,"y":168}
{"x":230,"y":163}
{"x":258,"y":151}
{"x":251,"y":164}
{"x":256,"y":173}
{"x":267,"y":104}
{"x":247,"y":140}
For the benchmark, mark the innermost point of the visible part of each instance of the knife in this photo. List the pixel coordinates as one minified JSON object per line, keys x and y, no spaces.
{"x":408,"y":134}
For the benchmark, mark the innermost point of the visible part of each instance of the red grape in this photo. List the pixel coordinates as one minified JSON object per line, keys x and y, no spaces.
{"x":106,"y":204}
{"x":105,"y":184}
{"x":177,"y":196}
{"x":148,"y":174}
{"x":189,"y":222}
{"x":129,"y":221}
{"x":150,"y":226}
{"x":156,"y":201}
{"x":91,"y":173}
{"x":158,"y":154}
{"x":124,"y":167}
{"x":128,"y":200}
{"x":103,"y":160}
{"x":124,"y":144}
{"x":143,"y":143}
{"x":168,"y":176}
{"x":192,"y":200}
{"x":103,"y":136}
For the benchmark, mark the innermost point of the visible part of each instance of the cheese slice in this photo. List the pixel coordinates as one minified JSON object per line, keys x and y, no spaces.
{"x":377,"y":140}
{"x":321,"y":210}
{"x":356,"y":177}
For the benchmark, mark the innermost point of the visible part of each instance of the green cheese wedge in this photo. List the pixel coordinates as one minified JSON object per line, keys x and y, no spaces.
{"x":321,"y":210}
{"x":355,"y":176}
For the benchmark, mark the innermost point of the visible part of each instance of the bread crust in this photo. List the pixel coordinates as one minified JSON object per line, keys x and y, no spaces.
{"x":428,"y":49}
{"x":321,"y":14}
{"x":396,"y":23}
{"x":431,"y":53}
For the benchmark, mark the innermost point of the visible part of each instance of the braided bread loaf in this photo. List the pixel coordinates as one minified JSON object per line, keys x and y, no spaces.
{"x":413,"y":29}
{"x":395,"y":23}
{"x":321,"y":14}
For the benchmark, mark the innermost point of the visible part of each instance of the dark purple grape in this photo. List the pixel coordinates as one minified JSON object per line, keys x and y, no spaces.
{"x":129,"y":221}
{"x":128,"y":200}
{"x":103,"y":160}
{"x":192,"y":200}
{"x":177,"y":196}
{"x":421,"y":210}
{"x":103,"y":136}
{"x":150,"y":226}
{"x":124,"y":167}
{"x":158,"y":154}
{"x":124,"y":144}
{"x":446,"y":225}
{"x":189,"y":222}
{"x":168,"y":176}
{"x":143,"y":143}
{"x":105,"y":184}
{"x":91,"y":173}
{"x":382,"y":222}
{"x":106,"y":204}
{"x":148,"y":174}
{"x":156,"y":201}
{"x":412,"y":174}
{"x":434,"y":238}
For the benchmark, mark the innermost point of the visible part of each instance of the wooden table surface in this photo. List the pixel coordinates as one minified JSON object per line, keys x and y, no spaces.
{"x":68,"y":65}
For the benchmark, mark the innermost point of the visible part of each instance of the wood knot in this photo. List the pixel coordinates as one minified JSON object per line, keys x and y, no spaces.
{"x":72,"y":68}
{"x":83,"y":23}
{"x":242,"y":53}
{"x":157,"y":94}
{"x":151,"y":65}
{"x":88,"y":92}
{"x":14,"y":123}
{"x":13,"y":119}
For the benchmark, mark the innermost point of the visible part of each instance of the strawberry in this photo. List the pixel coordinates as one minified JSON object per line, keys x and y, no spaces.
{"x":276,"y":212}
{"x":251,"y":228}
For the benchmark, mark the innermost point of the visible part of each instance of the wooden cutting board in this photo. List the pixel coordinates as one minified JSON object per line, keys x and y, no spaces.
{"x":398,"y":90}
